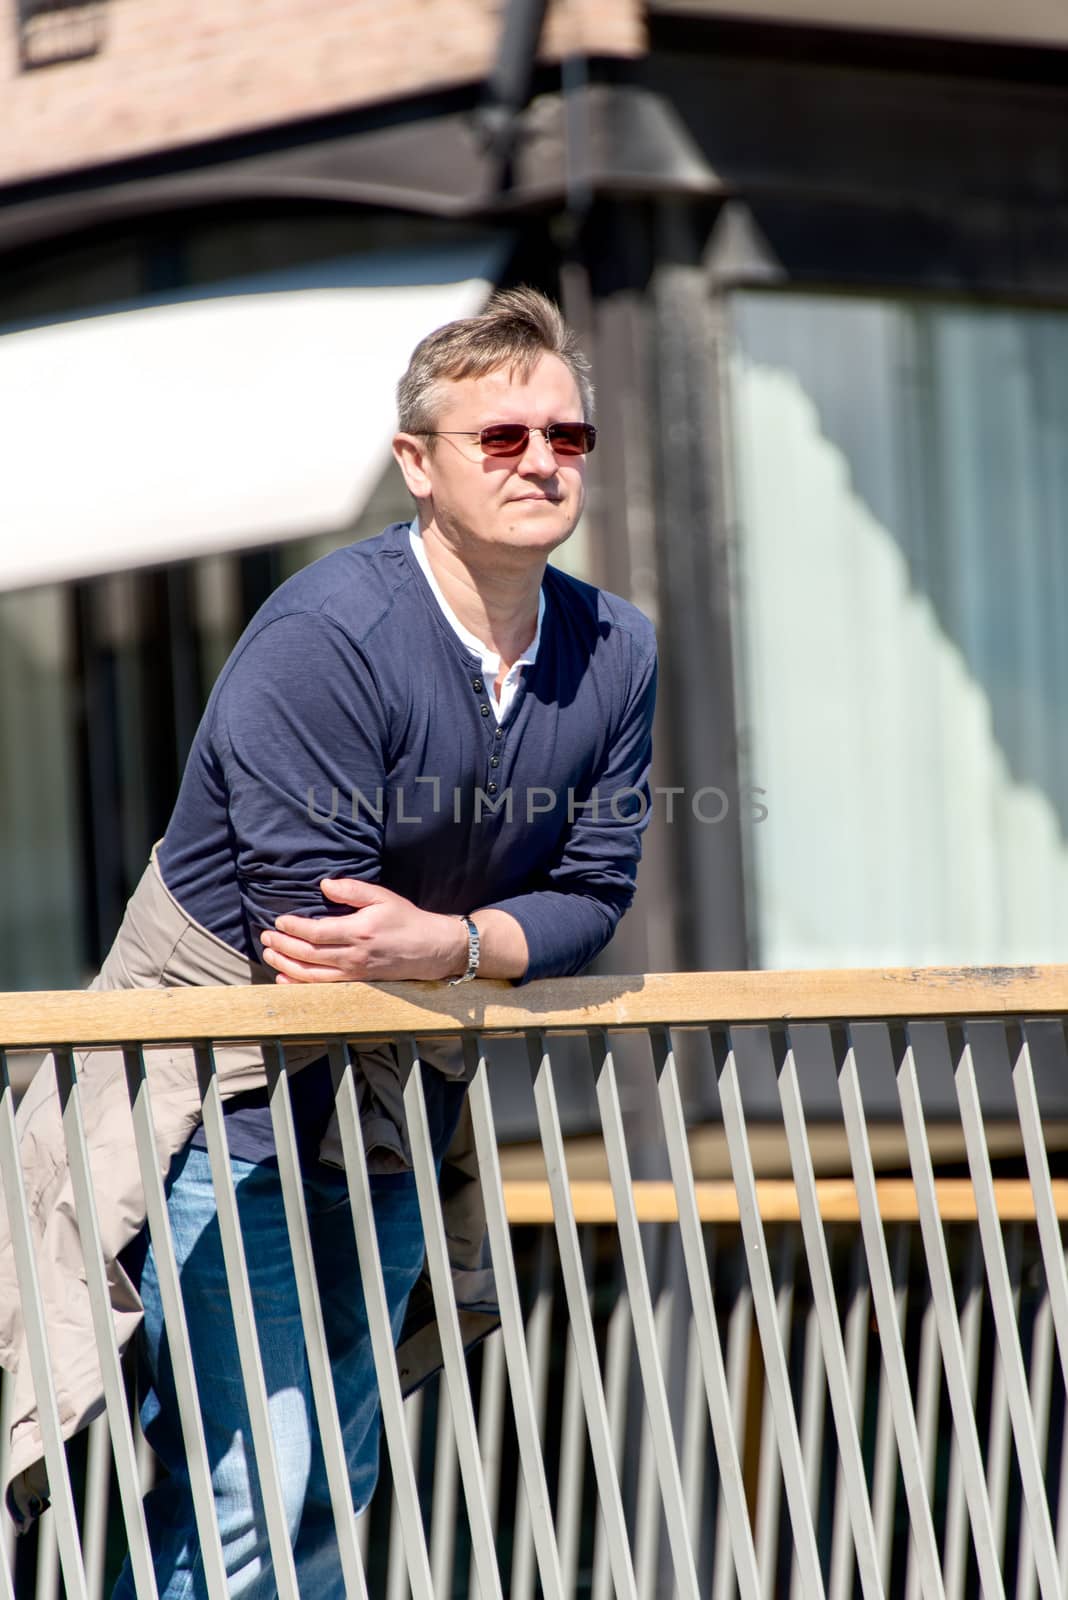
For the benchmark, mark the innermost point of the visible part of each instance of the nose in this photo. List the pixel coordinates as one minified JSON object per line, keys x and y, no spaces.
{"x":538,"y":456}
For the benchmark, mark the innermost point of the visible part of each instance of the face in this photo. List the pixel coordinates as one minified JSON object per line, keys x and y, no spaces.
{"x":526,"y":504}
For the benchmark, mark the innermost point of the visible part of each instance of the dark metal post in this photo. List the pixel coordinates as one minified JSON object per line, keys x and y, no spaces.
{"x":691,"y":504}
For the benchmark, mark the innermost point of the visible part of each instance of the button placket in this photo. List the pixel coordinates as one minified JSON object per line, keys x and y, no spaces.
{"x":495,"y":749}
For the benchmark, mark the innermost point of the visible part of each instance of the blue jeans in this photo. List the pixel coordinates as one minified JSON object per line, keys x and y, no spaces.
{"x":168,"y":1508}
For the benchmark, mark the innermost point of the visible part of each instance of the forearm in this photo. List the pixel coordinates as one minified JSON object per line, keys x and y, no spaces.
{"x":503,"y":945}
{"x":502,"y":951}
{"x":564,"y":931}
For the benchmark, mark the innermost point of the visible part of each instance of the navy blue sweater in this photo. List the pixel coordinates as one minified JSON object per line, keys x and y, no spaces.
{"x":350,"y":735}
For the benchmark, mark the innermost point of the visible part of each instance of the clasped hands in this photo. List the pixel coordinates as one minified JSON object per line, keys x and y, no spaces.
{"x":385,"y":938}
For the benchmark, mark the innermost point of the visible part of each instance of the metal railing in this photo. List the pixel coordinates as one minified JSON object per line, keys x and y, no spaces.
{"x":831,"y":1380}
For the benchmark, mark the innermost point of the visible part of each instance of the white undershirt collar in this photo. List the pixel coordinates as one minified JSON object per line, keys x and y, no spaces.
{"x":491,"y":662}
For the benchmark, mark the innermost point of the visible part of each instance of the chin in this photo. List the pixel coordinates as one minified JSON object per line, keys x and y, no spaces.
{"x":544,"y":539}
{"x":539,"y":522}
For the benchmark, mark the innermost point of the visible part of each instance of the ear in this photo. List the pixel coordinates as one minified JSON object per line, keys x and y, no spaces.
{"x":412,"y":454}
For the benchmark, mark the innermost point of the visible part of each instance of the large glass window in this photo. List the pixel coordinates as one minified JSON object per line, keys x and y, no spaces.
{"x":902,"y":495}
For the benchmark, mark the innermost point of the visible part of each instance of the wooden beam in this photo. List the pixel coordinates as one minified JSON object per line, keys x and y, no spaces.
{"x":685,"y":999}
{"x":530,"y":1203}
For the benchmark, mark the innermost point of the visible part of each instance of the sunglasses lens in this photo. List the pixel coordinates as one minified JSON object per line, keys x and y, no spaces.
{"x":571,"y":438}
{"x":564,"y":438}
{"x":504,"y":438}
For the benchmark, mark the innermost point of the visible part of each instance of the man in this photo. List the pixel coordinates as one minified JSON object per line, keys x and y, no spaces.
{"x":426,"y":758}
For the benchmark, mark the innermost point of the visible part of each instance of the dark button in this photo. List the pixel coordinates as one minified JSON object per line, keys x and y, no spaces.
{"x":499,"y":734}
{"x":491,"y":788}
{"x":484,"y":710}
{"x":495,"y":761}
{"x":476,"y":683}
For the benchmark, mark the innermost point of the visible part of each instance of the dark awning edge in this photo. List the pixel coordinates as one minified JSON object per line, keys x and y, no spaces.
{"x":437,"y":165}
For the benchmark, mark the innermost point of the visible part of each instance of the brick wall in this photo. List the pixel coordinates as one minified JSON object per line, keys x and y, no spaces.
{"x":130,"y":76}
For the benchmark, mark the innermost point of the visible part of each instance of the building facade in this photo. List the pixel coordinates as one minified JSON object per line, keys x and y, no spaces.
{"x":816,"y":250}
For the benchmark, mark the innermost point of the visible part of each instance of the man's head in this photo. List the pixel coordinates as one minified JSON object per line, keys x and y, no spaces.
{"x":517,"y":328}
{"x":518,"y":362}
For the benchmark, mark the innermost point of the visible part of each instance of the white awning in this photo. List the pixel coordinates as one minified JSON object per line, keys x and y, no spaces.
{"x":169,"y":431}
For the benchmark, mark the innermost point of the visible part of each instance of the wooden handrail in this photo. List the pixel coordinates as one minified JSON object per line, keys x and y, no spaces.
{"x":35,"y":1020}
{"x":529,"y":1202}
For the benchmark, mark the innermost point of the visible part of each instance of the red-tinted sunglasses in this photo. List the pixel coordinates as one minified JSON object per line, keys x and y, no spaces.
{"x":512,"y":438}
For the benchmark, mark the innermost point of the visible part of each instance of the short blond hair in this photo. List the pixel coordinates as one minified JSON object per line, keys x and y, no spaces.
{"x":516,"y":329}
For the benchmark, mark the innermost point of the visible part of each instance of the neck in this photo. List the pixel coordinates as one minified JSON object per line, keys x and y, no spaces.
{"x":500,"y":607}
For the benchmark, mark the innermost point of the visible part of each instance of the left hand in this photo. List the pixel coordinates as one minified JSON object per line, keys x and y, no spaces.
{"x":385,"y":938}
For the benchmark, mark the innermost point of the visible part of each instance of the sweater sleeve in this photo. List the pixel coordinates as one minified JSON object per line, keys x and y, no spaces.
{"x":570,"y":921}
{"x":301,"y":738}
